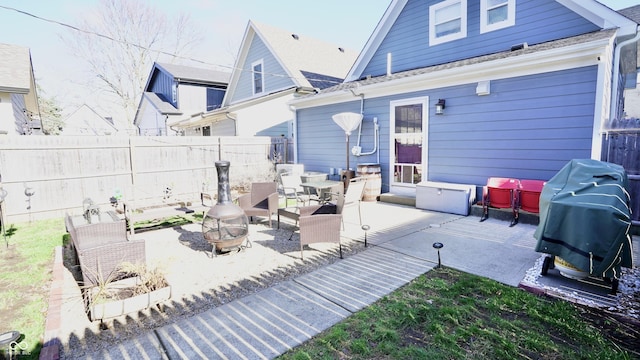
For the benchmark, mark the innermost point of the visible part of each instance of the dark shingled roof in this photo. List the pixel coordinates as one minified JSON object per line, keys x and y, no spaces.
{"x":584,"y":38}
{"x":632,"y":13}
{"x":320,"y":81}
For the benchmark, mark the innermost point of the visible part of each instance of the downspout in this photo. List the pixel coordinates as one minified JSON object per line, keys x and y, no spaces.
{"x":294,"y":133}
{"x":235,"y":122}
{"x":616,"y":73}
{"x":166,"y":125}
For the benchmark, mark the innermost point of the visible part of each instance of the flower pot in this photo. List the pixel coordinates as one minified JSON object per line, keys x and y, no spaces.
{"x":105,"y":308}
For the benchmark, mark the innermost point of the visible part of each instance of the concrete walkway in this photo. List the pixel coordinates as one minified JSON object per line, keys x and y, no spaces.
{"x":267,"y":324}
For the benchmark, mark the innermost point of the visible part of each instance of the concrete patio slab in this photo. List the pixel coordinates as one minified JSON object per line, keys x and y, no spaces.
{"x":486,"y":249}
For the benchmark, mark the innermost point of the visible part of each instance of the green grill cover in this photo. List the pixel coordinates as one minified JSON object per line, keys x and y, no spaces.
{"x":585,"y":217}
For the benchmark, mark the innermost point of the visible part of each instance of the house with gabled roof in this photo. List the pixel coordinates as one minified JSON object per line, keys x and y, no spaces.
{"x":632,"y":92}
{"x":273,"y":66}
{"x":86,"y":121}
{"x":459,"y":91}
{"x":177,"y":92}
{"x":19,"y":111}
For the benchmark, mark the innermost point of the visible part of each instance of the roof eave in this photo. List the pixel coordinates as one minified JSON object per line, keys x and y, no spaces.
{"x":571,"y":56}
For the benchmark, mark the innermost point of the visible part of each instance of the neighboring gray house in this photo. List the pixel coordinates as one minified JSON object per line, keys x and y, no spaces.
{"x":273,"y":67}
{"x":632,"y":92}
{"x":86,"y":121}
{"x":19,"y":112}
{"x":524,"y":86}
{"x":178,"y":92}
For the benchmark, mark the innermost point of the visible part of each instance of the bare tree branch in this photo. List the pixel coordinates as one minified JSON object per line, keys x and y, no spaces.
{"x":121,"y":41}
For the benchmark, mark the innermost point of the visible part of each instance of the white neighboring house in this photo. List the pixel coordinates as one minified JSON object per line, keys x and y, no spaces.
{"x":19,"y":112}
{"x":175,"y":92}
{"x":631,"y":91}
{"x":272,"y":67}
{"x":86,"y":121}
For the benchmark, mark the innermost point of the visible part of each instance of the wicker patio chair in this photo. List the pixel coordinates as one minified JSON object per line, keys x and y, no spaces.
{"x":100,"y":263}
{"x":352,"y":197}
{"x":101,"y":247}
{"x":261,"y":201}
{"x":318,"y":227}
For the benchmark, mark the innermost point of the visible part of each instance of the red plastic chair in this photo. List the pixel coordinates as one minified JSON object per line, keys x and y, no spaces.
{"x":500,"y":193}
{"x":530,"y":195}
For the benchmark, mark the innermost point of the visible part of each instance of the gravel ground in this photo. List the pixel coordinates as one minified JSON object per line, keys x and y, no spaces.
{"x":198,"y":282}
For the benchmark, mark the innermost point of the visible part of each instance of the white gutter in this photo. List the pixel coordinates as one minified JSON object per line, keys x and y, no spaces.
{"x":294,"y":134}
{"x":532,"y":61}
{"x":616,"y":73}
{"x":235,"y":122}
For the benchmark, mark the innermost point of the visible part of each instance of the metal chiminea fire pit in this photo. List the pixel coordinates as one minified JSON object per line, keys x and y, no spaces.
{"x":225,"y":225}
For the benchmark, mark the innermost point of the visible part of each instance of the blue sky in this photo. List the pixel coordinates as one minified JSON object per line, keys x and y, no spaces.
{"x":347,"y":23}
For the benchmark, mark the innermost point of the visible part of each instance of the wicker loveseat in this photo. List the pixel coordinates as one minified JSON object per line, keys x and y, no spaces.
{"x":101,"y":247}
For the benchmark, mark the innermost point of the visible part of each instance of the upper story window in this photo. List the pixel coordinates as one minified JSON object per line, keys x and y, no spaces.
{"x":258,"y":77}
{"x":447,"y":21}
{"x":497,"y":14}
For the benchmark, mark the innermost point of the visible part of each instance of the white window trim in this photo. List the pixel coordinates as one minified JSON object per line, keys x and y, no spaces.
{"x":484,"y":16}
{"x":253,"y":85}
{"x":433,"y":40}
{"x":404,"y":188}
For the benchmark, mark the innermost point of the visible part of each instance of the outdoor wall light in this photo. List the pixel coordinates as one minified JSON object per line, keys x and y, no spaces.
{"x":440,"y":107}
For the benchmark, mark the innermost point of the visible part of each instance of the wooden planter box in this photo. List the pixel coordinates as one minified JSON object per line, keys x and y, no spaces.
{"x":106,"y":309}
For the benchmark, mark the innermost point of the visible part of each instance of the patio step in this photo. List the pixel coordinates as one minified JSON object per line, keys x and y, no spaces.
{"x":398,"y":199}
{"x":476,"y":210}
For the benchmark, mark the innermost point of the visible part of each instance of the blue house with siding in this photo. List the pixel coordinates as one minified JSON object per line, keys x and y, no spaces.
{"x":273,"y":67}
{"x":177,"y":92}
{"x":523,"y":87}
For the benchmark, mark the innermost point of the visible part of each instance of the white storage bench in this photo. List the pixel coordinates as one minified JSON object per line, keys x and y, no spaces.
{"x":445,"y":197}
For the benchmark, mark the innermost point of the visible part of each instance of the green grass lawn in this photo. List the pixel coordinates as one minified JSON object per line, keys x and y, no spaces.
{"x":447,"y":314}
{"x":25,"y":274}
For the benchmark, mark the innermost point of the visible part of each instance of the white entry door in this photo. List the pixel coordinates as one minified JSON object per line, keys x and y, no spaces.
{"x":409,"y":131}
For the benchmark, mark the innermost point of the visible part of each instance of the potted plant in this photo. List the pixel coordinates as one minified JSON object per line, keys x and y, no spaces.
{"x":131,"y":288}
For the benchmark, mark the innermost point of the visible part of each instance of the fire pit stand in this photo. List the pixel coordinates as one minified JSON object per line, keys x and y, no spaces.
{"x":225,"y":226}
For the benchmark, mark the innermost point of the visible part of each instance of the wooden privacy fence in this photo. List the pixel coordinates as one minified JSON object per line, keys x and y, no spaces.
{"x":281,"y":150}
{"x":62,"y":171}
{"x":621,"y":145}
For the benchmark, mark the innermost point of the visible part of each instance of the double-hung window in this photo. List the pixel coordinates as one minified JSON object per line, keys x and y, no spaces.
{"x":258,"y":77}
{"x":447,"y":21}
{"x":497,"y":14}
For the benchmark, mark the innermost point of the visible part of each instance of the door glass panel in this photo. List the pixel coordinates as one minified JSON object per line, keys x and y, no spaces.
{"x":408,"y":144}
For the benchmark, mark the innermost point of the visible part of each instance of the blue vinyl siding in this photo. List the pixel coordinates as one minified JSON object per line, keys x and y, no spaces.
{"x":537,"y":21}
{"x":528,"y":127}
{"x":322,"y":143}
{"x":274,"y":75}
{"x":214,"y":98}
{"x":275,"y":131}
{"x":162,"y":83}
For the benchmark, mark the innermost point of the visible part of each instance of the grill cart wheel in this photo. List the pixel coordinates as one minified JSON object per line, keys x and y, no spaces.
{"x":546,"y":265}
{"x":614,"y":286}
